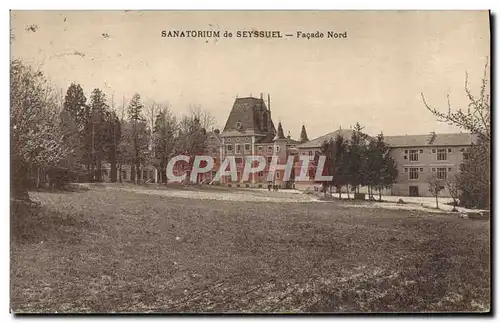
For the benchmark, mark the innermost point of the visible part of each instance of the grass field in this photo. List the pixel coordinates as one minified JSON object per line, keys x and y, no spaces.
{"x":113,"y":251}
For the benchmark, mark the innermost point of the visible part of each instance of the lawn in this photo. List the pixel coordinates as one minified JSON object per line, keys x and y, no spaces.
{"x":113,"y":251}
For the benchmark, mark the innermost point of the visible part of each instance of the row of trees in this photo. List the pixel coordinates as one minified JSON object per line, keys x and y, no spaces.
{"x":58,"y":140}
{"x":360,"y":161}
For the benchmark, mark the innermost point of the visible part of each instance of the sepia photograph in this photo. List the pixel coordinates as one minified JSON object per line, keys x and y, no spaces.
{"x":250,"y":162}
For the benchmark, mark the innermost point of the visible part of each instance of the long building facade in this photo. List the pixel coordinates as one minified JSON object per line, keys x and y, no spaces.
{"x":250,"y":131}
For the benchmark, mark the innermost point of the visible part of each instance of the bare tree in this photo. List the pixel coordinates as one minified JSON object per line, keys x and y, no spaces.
{"x":206,"y":119}
{"x":452,"y":184}
{"x":476,"y":118}
{"x":475,"y":179}
{"x":435,"y":186}
{"x":151,"y":111}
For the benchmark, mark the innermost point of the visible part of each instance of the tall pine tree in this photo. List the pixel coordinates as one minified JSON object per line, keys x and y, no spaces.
{"x":138,"y":134}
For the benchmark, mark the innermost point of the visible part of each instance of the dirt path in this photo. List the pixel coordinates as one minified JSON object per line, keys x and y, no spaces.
{"x":237,"y":195}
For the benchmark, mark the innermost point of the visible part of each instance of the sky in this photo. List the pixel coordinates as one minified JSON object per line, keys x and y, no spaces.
{"x":374,"y":76}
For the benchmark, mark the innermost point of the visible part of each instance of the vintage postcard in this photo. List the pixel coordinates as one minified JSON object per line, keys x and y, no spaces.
{"x":250,"y":161}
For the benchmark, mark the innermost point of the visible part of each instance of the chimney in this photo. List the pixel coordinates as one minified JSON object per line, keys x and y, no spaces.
{"x":261,"y":96}
{"x":269,"y":102}
{"x":431,"y":138}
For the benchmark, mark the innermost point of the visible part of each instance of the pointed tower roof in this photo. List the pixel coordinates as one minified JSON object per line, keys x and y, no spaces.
{"x":279,"y":133}
{"x":303,"y":135}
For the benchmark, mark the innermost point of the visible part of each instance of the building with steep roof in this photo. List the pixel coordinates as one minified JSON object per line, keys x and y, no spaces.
{"x":250,"y":131}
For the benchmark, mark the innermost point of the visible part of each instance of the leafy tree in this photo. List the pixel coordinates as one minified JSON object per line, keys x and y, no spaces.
{"x":328,"y":150}
{"x":36,"y":138}
{"x":340,"y":177}
{"x":98,"y":132}
{"x":356,"y":156}
{"x":164,"y":141}
{"x":380,"y":168}
{"x":389,"y":174}
{"x":303,"y":135}
{"x":474,"y":178}
{"x":114,"y":135}
{"x":140,"y":136}
{"x":74,"y":104}
{"x":75,"y":117}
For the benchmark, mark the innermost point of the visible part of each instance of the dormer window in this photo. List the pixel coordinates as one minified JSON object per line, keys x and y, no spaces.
{"x":238,"y":125}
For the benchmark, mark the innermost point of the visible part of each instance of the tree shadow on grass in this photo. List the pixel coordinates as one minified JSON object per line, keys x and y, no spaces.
{"x":35,"y":224}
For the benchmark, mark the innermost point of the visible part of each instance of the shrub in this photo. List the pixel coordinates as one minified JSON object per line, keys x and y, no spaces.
{"x":359,"y":196}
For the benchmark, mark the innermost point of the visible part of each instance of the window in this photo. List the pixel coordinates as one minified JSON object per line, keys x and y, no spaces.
{"x":247,"y":139}
{"x":269,"y":160}
{"x":406,"y":157}
{"x":269,"y":149}
{"x":238,"y":160}
{"x":247,"y":147}
{"x":406,"y":151}
{"x":449,"y":150}
{"x":237,"y":139}
{"x":413,"y":173}
{"x":421,"y":151}
{"x":462,"y":150}
{"x":441,"y":154}
{"x":466,"y":155}
{"x":433,"y":170}
{"x":441,"y":173}
{"x":434,"y":151}
{"x":237,"y":148}
{"x":421,"y":170}
{"x":406,"y":170}
{"x":277,"y":149}
{"x":229,"y":147}
{"x":261,"y":173}
{"x":311,"y":153}
{"x":259,"y":148}
{"x":413,"y":155}
{"x":228,"y":139}
{"x":124,"y":174}
{"x":277,"y":174}
{"x":238,"y":125}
